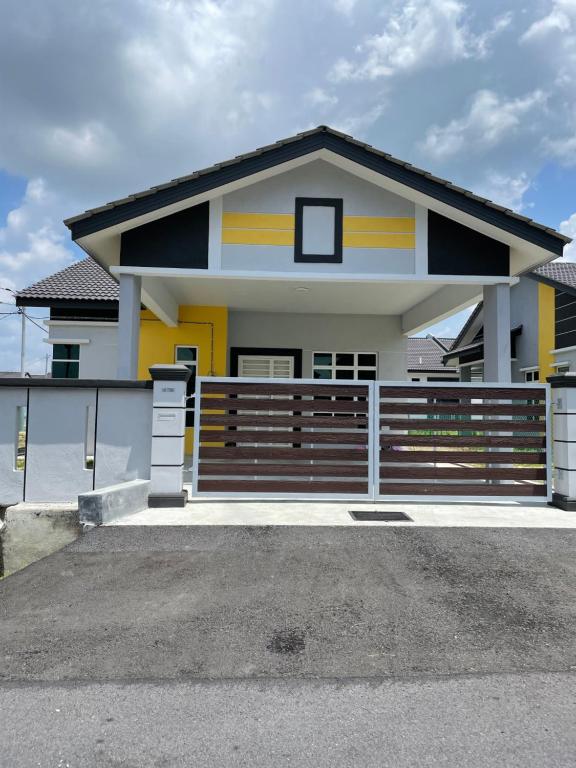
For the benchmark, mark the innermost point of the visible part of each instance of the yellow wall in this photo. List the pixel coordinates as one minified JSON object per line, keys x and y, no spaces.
{"x":546,"y":316}
{"x":202,"y":327}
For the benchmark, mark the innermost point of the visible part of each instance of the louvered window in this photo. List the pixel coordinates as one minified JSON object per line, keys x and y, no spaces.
{"x":265,"y":367}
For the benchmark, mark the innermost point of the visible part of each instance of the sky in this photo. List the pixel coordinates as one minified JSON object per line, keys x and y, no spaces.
{"x":102,"y":99}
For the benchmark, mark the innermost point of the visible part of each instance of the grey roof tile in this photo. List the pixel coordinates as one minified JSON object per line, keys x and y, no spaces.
{"x":563,"y":272}
{"x":84,"y":280}
{"x":425,"y":355}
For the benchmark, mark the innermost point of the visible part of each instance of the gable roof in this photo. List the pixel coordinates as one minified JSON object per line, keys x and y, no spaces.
{"x":299,"y":145}
{"x":426,"y":353}
{"x":558,"y":274}
{"x":84,"y":280}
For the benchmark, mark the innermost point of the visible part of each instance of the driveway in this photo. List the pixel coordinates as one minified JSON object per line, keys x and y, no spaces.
{"x":257,"y":630}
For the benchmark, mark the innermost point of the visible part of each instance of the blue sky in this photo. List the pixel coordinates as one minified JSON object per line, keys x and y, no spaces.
{"x":99,"y":100}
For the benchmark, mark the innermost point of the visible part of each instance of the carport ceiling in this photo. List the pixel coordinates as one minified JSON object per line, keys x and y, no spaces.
{"x":327,"y":297}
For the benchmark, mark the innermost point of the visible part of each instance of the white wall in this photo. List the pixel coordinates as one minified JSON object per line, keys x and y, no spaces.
{"x":11,"y":479}
{"x":318,"y":179}
{"x":98,"y":358}
{"x":60,"y":438}
{"x":324,"y":333}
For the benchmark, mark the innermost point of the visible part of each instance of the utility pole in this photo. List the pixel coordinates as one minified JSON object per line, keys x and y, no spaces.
{"x":23,"y":344}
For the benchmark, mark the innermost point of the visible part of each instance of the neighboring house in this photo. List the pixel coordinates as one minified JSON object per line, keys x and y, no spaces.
{"x":314,"y":257}
{"x":543,"y":328}
{"x":425,"y":359}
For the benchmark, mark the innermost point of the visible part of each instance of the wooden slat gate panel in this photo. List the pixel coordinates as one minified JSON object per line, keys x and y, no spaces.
{"x":310,"y":439}
{"x":273,"y":438}
{"x":463,"y":441}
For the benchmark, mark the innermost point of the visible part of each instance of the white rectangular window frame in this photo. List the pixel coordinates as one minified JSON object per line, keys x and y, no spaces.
{"x":331,"y":365}
{"x":188,"y":355}
{"x":533,"y":375}
{"x":70,"y":365}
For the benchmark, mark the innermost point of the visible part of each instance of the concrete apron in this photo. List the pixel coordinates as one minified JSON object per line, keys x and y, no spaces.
{"x":337,"y":513}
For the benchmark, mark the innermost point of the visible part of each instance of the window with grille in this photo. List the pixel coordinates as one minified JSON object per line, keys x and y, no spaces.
{"x":266,"y":367}
{"x":66,"y":361}
{"x":345,"y":365}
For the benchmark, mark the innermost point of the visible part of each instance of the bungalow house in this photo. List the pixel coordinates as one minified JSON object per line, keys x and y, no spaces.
{"x":542,"y":333}
{"x":314,"y":258}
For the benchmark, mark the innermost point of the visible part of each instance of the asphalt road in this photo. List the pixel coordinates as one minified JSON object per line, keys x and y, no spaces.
{"x":288,"y":646}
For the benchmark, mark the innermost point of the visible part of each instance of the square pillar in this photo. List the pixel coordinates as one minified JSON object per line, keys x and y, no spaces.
{"x":129,"y":326}
{"x":497,"y":352}
{"x":564,"y":445}
{"x":168,"y":434}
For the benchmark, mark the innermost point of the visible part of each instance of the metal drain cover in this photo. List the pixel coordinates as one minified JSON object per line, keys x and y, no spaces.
{"x":379,"y":515}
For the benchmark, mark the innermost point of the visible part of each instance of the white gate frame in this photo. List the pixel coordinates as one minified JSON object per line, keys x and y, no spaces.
{"x":373,"y":433}
{"x":369,"y":496}
{"x":432,"y":499}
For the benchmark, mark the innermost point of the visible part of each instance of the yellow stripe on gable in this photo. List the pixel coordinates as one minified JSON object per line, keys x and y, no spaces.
{"x":258,"y":236}
{"x":546,"y":333}
{"x":378,"y":224}
{"x":258,"y":220}
{"x":378,"y":240}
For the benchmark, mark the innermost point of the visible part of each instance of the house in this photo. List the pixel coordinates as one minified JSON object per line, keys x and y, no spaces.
{"x":314,"y":257}
{"x":425,"y":359}
{"x":542,"y":333}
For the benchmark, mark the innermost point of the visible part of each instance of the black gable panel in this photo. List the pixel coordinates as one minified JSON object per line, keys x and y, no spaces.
{"x":454,"y":249}
{"x":179,"y":240}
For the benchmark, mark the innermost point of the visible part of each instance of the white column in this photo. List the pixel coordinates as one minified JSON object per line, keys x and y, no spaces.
{"x":129,"y":326}
{"x":168,"y":429}
{"x":497,"y":353}
{"x":564,"y":431}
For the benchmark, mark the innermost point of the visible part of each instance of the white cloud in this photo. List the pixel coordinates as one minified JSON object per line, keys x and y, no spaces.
{"x":489,"y":121}
{"x":505,"y":189}
{"x":568,"y":227}
{"x":418,"y":34}
{"x":321,"y":98}
{"x":345,"y":7}
{"x":560,"y":19}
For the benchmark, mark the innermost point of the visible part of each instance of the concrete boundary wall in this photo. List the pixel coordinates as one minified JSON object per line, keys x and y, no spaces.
{"x":78,"y":436}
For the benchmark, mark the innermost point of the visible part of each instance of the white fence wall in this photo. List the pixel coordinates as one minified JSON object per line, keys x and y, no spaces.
{"x":80,"y":436}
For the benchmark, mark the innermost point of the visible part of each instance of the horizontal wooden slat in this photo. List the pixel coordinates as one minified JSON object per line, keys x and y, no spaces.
{"x":478,"y":425}
{"x":265,"y":420}
{"x":465,"y":457}
{"x":272,"y":389}
{"x":391,"y":439}
{"x":462,"y":473}
{"x":444,"y":489}
{"x":465,"y":393}
{"x":284,"y":454}
{"x":283,"y":486}
{"x":230,"y":469}
{"x":248,"y":436}
{"x":438,"y":409}
{"x":299,"y":406}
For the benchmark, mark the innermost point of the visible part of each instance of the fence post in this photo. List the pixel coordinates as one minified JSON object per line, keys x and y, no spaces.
{"x":564,"y":436}
{"x":168,"y":430}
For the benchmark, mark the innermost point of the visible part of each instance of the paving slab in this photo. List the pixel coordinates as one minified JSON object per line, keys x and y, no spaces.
{"x":233,"y":512}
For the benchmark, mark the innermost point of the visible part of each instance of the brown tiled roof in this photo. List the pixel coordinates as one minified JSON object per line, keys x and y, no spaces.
{"x":424,"y":354}
{"x":563,"y":272}
{"x":84,"y":280}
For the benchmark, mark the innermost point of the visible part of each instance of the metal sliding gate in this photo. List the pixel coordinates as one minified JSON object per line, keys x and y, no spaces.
{"x":320,"y":439}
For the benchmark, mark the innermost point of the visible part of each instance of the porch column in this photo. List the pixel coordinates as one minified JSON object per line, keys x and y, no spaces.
{"x":497,"y":366}
{"x":129,"y":326}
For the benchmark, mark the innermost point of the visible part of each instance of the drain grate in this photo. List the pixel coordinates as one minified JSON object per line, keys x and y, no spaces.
{"x":379,"y":515}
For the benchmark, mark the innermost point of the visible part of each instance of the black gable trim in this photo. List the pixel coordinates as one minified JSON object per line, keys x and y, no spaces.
{"x":178,"y":240}
{"x":552,"y":283}
{"x":285,"y":151}
{"x":454,"y":249}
